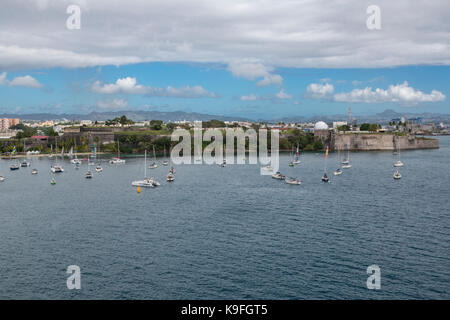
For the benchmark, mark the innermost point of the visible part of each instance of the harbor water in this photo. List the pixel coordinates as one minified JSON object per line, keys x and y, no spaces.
{"x":229,"y":232}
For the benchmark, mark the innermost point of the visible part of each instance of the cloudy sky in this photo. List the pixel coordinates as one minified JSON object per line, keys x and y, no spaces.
{"x":259,"y":59}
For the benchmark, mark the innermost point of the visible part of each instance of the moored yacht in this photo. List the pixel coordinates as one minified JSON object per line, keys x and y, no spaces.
{"x":397,"y":175}
{"x":56,"y":168}
{"x":293,"y":181}
{"x":278,"y":176}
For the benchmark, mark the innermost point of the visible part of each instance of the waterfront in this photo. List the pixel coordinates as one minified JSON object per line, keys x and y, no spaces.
{"x":230,"y":233}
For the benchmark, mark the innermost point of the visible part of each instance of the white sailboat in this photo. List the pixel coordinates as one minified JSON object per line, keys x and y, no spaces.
{"x":338,"y":171}
{"x":117,"y":160}
{"x":57,"y":168}
{"x":278,"y":176}
{"x":397,"y":175}
{"x":346,"y":162}
{"x":153,"y":165}
{"x":2,"y":177}
{"x":297,"y":157}
{"x":398,"y":163}
{"x":165,"y":162}
{"x":146,"y":182}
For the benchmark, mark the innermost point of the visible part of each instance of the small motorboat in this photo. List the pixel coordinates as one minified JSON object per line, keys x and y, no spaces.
{"x":2,"y":178}
{"x":56,"y":169}
{"x":293,"y":181}
{"x":398,"y":164}
{"x":170,"y":177}
{"x":153,"y":166}
{"x":34,"y":171}
{"x":337,"y":172}
{"x":98,"y":169}
{"x":25,"y":164}
{"x":291,"y":164}
{"x":267,"y":168}
{"x":165,"y":163}
{"x":325,"y":178}
{"x":53,"y":182}
{"x":75,"y":161}
{"x":88,"y":175}
{"x":14,"y":167}
{"x":146,"y":183}
{"x":116,"y":161}
{"x":345,"y":161}
{"x":346,"y":166}
{"x":397,"y":175}
{"x":278,"y":176}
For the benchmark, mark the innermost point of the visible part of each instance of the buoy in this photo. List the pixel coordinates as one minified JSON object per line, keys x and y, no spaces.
{"x":139,"y":189}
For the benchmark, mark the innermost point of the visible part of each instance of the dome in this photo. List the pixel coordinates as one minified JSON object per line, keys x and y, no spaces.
{"x":320,"y":126}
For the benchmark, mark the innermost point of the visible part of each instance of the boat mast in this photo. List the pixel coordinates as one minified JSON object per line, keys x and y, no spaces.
{"x":145,"y":164}
{"x":326,"y":159}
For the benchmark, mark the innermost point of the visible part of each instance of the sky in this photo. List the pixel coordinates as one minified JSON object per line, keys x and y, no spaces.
{"x":258,"y":59}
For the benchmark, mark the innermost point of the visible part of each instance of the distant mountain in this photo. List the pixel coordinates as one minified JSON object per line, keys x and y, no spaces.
{"x":382,"y":117}
{"x":134,"y":115}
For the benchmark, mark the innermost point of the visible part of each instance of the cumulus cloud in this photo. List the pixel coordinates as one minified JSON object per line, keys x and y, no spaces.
{"x":129,"y":85}
{"x":319,"y":90}
{"x":327,"y":34}
{"x":25,"y":81}
{"x":400,"y":93}
{"x":114,"y":104}
{"x":125,"y":85}
{"x":253,"y":70}
{"x":283,"y":95}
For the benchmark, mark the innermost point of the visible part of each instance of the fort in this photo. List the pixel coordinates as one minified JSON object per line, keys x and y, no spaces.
{"x":375,"y":141}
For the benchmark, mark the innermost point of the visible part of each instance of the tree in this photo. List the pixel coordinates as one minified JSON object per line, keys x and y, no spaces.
{"x":156,"y":124}
{"x":344,"y":127}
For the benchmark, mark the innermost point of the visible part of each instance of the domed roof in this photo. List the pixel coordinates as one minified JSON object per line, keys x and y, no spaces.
{"x":320,"y":126}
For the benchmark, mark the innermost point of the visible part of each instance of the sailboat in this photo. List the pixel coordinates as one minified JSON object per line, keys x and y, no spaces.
{"x":88,"y":174}
{"x":297,"y":159}
{"x":397,"y":175}
{"x":291,"y":164}
{"x":14,"y":166}
{"x":147,"y":182}
{"x":338,"y":171}
{"x":51,"y":152}
{"x":278,"y":176}
{"x":34,"y":171}
{"x":153,"y":165}
{"x":346,"y":162}
{"x":2,"y":178}
{"x":325,"y":177}
{"x":398,"y":163}
{"x":117,"y":160}
{"x":165,"y":162}
{"x":56,"y":168}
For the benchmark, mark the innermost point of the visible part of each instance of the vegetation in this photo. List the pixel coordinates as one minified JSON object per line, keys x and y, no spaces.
{"x":369,"y":127}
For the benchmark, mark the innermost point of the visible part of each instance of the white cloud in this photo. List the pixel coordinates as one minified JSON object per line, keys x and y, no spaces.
{"x":124,"y":85}
{"x":283,"y":95}
{"x":129,"y":85}
{"x":269,"y":79}
{"x":327,"y":35}
{"x":250,"y":97}
{"x":319,"y":90}
{"x":25,"y":81}
{"x":400,"y":93}
{"x":114,"y":104}
{"x":251,"y":70}
{"x":2,"y":78}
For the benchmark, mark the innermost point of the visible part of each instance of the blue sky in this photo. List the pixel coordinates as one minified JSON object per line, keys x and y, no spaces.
{"x":250,"y":58}
{"x":71,"y":90}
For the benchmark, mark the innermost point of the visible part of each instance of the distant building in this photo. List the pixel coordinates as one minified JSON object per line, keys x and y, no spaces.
{"x":6,"y":123}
